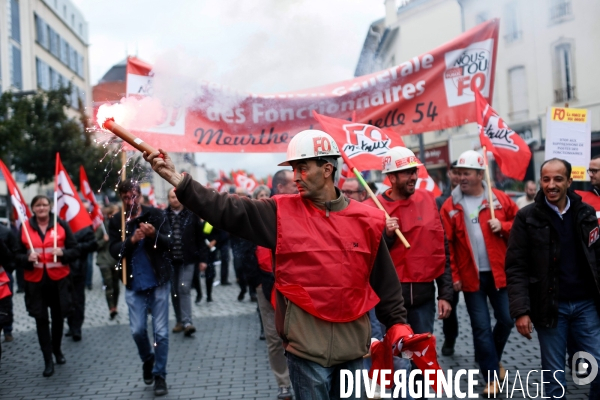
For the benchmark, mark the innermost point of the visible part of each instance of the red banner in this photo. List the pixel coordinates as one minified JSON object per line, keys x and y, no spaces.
{"x":20,"y":210}
{"x":69,"y":205}
{"x":429,"y":92}
{"x":86,"y":190}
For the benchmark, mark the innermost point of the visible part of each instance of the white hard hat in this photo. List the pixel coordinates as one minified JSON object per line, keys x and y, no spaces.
{"x":399,"y":158}
{"x":470,"y":159}
{"x":311,"y":143}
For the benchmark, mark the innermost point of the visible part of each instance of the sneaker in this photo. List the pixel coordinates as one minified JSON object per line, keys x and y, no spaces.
{"x":198,"y":299}
{"x":8,"y":337}
{"x":448,"y":347}
{"x":178,"y":328}
{"x":241,"y":295}
{"x":147,"y":368}
{"x":113,"y":313}
{"x":160,"y":386}
{"x":189,"y":330}
{"x":284,"y":393}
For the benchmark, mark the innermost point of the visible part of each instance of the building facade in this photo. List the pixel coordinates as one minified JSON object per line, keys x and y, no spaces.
{"x":43,"y":45}
{"x":547,"y":53}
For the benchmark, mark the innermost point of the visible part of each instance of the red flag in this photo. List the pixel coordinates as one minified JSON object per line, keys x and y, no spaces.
{"x":248,"y":183}
{"x":366,"y":144}
{"x":510,"y":151}
{"x":20,"y":209}
{"x":69,"y":205}
{"x":86,"y":190}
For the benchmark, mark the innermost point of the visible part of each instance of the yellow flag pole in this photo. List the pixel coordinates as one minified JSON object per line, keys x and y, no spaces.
{"x":489,"y":183}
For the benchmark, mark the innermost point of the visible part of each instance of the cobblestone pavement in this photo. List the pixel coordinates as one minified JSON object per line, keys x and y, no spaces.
{"x":225,"y":359}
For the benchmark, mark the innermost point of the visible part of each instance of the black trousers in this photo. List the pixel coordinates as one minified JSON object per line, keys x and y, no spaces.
{"x":75,"y":319}
{"x":451,"y":323}
{"x":50,"y":342}
{"x":224,"y":251}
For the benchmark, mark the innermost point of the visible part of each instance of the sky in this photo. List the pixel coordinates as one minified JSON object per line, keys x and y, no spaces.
{"x":262,"y":46}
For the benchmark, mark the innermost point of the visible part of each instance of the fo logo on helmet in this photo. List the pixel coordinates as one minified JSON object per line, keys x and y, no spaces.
{"x":386,"y":161}
{"x":461,"y":161}
{"x":480,"y":160}
{"x":321,"y":145}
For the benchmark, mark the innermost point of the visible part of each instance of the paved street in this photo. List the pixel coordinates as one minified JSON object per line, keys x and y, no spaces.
{"x":225,"y":359}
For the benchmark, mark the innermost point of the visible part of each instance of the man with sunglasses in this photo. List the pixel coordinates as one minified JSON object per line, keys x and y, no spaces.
{"x":414,"y":212}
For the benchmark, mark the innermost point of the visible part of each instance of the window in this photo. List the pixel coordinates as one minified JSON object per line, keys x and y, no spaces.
{"x":559,"y":9}
{"x":513,"y":27}
{"x":64,"y":51}
{"x":16,"y":77}
{"x":80,"y":66}
{"x":64,"y":11}
{"x":519,"y":103}
{"x":80,"y":28}
{"x":15,"y":24}
{"x":564,"y":73}
{"x":42,"y":32}
{"x":73,"y":20}
{"x":54,"y":42}
{"x":43,"y":74}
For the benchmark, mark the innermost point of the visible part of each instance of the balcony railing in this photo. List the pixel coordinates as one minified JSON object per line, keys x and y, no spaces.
{"x":564,"y":94}
{"x":560,"y":10}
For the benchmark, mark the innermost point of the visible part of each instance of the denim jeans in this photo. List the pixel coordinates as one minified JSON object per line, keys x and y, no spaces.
{"x":157,"y":301}
{"x":181,"y":292}
{"x":421,"y":317}
{"x":312,"y":381}
{"x":489,"y":344}
{"x":579,"y":321}
{"x":451,"y":323}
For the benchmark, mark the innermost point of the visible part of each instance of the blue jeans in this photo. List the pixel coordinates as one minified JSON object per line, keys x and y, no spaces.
{"x":579,"y":321}
{"x":421,"y":317}
{"x":489,"y":344}
{"x":157,"y":301}
{"x":312,"y":381}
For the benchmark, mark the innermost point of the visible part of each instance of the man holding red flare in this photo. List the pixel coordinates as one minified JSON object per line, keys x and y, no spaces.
{"x":331,"y":265}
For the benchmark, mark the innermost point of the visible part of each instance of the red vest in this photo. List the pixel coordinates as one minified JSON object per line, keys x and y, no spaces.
{"x":591,"y":199}
{"x":265,"y":261}
{"x":421,"y":225}
{"x":4,"y":288}
{"x":56,"y":270}
{"x":323,"y":263}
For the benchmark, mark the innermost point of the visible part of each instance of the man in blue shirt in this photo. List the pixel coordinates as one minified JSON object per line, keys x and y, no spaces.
{"x":148,"y":273}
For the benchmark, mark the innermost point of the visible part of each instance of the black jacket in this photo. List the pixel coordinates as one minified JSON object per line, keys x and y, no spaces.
{"x":9,"y":247}
{"x":158,"y":255}
{"x":86,"y":242}
{"x":194,"y":248}
{"x":533,"y":258}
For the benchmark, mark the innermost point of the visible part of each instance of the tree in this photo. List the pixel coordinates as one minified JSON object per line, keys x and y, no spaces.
{"x":36,"y":127}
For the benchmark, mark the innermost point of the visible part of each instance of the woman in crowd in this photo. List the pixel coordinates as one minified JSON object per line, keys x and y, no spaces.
{"x":47,"y":283}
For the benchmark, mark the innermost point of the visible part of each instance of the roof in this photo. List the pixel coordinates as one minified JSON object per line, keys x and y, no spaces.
{"x":117,"y":73}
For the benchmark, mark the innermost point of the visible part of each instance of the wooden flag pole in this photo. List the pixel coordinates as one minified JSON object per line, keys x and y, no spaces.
{"x":123,"y":225}
{"x":24,"y":228}
{"x":489,"y":184}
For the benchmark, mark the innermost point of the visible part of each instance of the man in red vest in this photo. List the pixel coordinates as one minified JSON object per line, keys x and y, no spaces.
{"x":414,"y":212}
{"x":331,"y":265}
{"x":477,"y":250}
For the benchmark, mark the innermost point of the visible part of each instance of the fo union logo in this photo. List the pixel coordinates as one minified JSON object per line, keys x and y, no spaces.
{"x":468,"y":69}
{"x":585,"y":370}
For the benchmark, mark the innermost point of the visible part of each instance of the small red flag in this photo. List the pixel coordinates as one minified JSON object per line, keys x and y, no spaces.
{"x":20,"y":209}
{"x":69,"y":205}
{"x":510,"y":150}
{"x":86,"y":190}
